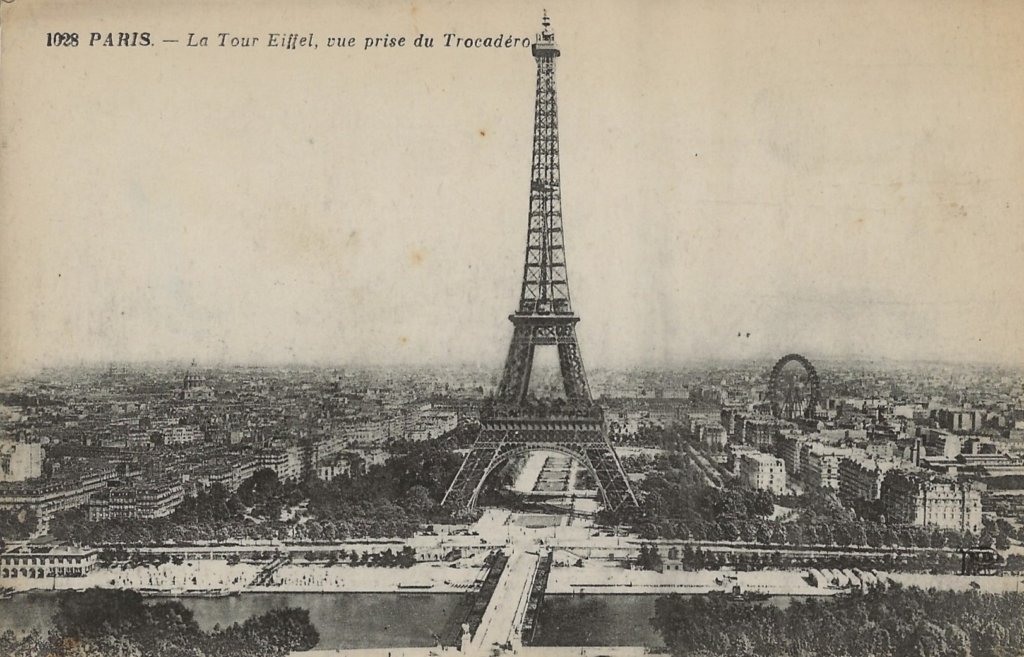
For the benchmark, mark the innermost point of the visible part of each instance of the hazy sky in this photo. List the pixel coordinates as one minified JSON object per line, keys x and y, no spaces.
{"x":835,"y":178}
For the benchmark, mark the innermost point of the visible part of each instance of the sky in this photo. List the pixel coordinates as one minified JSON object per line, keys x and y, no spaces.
{"x":836,"y":179}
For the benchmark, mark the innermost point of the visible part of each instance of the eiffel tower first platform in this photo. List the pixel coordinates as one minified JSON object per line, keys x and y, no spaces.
{"x":512,"y":423}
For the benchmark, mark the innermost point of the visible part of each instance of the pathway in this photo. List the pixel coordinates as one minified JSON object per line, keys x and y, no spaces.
{"x":502,"y":622}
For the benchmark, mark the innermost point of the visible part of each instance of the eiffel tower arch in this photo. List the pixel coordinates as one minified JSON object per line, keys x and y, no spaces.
{"x":512,"y":422}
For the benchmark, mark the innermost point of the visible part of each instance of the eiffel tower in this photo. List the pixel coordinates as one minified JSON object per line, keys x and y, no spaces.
{"x":512,"y":422}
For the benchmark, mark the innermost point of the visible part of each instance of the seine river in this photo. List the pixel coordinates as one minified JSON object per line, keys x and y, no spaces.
{"x":608,"y":620}
{"x":344,"y":620}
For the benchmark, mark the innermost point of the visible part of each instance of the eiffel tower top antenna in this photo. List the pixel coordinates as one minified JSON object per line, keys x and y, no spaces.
{"x":545,"y":35}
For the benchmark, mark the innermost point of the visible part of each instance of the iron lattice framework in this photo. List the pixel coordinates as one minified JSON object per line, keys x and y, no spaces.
{"x":511,"y":423}
{"x":791,"y":403}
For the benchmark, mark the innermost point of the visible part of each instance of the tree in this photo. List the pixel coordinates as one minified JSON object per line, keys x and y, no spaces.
{"x":643,"y":559}
{"x":18,"y":524}
{"x":261,"y":486}
{"x":858,"y":533}
{"x":407,"y":557}
{"x":101,"y":622}
{"x":881,"y":642}
{"x":927,"y":640}
{"x":654,"y":560}
{"x":417,"y":500}
{"x":843,"y":534}
{"x":898,"y":621}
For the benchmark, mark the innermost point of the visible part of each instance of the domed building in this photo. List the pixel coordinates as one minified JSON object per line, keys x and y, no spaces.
{"x":194,"y":384}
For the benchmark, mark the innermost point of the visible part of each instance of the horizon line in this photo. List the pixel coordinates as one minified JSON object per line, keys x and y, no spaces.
{"x":185,"y":363}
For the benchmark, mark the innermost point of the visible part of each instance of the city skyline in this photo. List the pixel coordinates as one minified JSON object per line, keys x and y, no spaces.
{"x":825,"y":192}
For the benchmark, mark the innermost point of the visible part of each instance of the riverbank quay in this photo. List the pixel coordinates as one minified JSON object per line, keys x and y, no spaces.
{"x":525,"y":651}
{"x":983,"y":583}
{"x":609,"y":577}
{"x":561,"y":651}
{"x":589,"y":651}
{"x":444,"y":544}
{"x":603,"y":577}
{"x":380,"y":652}
{"x":213,"y":577}
{"x":291,"y":573}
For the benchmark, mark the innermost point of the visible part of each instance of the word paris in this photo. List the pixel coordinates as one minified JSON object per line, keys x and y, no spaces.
{"x":293,"y":41}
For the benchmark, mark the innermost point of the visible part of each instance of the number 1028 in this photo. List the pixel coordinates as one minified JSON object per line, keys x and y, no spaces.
{"x":68,"y":39}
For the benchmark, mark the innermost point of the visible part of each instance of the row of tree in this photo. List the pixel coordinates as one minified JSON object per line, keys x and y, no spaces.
{"x":825,"y":533}
{"x":107,"y":622}
{"x":696,"y":558}
{"x":404,"y":558}
{"x":908,"y":622}
{"x":933,"y":561}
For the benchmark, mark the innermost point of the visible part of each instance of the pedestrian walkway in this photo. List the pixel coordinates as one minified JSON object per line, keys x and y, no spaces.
{"x":502,"y":623}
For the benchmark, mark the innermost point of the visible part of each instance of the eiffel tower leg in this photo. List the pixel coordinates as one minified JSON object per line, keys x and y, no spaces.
{"x":515,"y":380}
{"x":570,"y":362}
{"x":611,"y":478}
{"x":463,"y":488}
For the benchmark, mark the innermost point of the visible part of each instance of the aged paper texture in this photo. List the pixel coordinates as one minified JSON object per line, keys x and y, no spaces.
{"x":322,"y":206}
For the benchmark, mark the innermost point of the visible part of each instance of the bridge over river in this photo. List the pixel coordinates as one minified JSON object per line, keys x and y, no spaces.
{"x":497,"y":617}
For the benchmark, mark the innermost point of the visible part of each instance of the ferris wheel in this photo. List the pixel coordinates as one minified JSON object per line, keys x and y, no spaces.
{"x":794,"y":390}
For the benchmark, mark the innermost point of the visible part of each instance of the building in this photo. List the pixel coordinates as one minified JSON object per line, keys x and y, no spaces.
{"x":942,"y":443}
{"x":788,"y":447}
{"x":881,"y":449}
{"x":138,"y":440}
{"x":339,"y":466}
{"x":991,"y":465}
{"x":228,"y":471}
{"x":45,"y":562}
{"x":734,"y":451}
{"x":626,"y":421}
{"x":713,"y":435}
{"x":861,"y":477}
{"x":194,"y":387}
{"x":365,"y":433}
{"x":820,"y":465}
{"x":136,"y":501}
{"x":49,"y":496}
{"x":706,"y":428}
{"x":20,"y":460}
{"x":959,"y":420}
{"x":762,"y":471}
{"x":757,"y":429}
{"x":325,"y":447}
{"x":465,"y":409}
{"x":426,"y":424}
{"x":919,"y":498}
{"x":728,"y":418}
{"x":284,"y":459}
{"x":181,"y":435}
